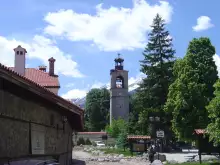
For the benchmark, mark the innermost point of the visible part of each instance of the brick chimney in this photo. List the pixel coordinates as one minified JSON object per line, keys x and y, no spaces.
{"x":43,"y":68}
{"x":51,"y":66}
{"x":20,"y":60}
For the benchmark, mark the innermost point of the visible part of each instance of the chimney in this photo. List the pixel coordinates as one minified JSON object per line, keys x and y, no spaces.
{"x":43,"y":68}
{"x":51,"y":66}
{"x":20,"y":60}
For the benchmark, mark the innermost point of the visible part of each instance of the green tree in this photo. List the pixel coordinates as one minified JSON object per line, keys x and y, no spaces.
{"x":214,"y":115}
{"x":136,"y":108}
{"x":97,"y":109}
{"x":193,"y":88}
{"x":118,"y":126}
{"x":157,"y":65}
{"x":122,"y":140}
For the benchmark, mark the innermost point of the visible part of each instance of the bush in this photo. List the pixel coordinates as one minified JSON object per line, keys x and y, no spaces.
{"x":81,"y":141}
{"x":88,"y":142}
{"x":94,"y":144}
{"x":122,"y":140}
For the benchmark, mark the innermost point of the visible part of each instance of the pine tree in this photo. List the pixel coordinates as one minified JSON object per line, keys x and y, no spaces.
{"x":157,"y":65}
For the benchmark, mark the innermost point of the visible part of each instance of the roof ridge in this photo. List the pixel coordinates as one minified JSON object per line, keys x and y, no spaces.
{"x":38,"y":85}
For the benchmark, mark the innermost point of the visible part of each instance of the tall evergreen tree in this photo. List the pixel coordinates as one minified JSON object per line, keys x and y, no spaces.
{"x":157,"y":65}
{"x":192,"y":89}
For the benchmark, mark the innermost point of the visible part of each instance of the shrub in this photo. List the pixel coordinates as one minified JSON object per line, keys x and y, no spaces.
{"x":94,"y":144}
{"x":88,"y":142}
{"x":81,"y":141}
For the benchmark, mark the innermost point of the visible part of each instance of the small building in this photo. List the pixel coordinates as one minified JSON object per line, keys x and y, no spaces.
{"x":138,"y":143}
{"x":35,"y":123}
{"x":205,"y":146}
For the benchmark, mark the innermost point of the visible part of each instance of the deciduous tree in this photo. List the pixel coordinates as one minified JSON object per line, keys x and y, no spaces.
{"x":193,"y":88}
{"x":97,"y":109}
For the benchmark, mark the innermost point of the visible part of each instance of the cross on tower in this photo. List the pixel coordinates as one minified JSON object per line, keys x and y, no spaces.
{"x":119,"y":55}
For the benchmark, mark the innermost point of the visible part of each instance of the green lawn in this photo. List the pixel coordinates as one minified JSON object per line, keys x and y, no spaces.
{"x":196,"y":163}
{"x":117,"y":151}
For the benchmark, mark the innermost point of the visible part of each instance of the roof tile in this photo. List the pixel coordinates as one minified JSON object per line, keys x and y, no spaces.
{"x":40,"y":77}
{"x":138,"y":137}
{"x":200,"y":131}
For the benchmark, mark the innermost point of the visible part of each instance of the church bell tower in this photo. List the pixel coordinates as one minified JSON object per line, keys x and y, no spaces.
{"x":119,"y":98}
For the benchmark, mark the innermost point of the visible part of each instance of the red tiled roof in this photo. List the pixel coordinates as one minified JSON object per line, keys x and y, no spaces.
{"x":138,"y":137}
{"x":92,"y":133}
{"x":40,"y":77}
{"x":46,"y":93}
{"x":199,"y":131}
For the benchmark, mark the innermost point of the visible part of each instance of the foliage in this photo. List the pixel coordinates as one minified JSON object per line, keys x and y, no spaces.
{"x":88,"y":142}
{"x":122,"y":141}
{"x":117,"y":127}
{"x":136,"y":108}
{"x":214,"y":114}
{"x":81,"y":141}
{"x":94,"y":144}
{"x":97,"y":109}
{"x":193,"y":88}
{"x":157,"y":65}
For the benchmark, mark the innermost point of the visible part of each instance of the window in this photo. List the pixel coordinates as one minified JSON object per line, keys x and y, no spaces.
{"x":119,"y":82}
{"x":21,"y":53}
{"x":17,"y":52}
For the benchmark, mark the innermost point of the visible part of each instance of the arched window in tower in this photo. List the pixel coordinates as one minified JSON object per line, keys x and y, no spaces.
{"x":119,"y":82}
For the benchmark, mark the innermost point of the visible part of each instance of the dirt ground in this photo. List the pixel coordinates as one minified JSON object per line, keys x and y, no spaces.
{"x":81,"y":157}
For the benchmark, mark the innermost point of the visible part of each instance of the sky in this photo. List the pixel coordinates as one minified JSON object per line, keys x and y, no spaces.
{"x":84,"y":36}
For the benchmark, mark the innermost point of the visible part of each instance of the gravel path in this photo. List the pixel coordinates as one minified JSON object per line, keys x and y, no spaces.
{"x":81,"y":158}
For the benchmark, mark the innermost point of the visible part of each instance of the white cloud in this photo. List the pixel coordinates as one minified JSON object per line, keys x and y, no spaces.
{"x":98,"y":85}
{"x":133,"y":82}
{"x":77,"y":93}
{"x":41,"y":48}
{"x":110,"y":29}
{"x":74,"y":94}
{"x":203,"y":23}
{"x":69,"y":85}
{"x":217,"y":63}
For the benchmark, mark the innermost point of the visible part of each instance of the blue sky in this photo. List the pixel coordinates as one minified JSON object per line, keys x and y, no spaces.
{"x":84,"y":36}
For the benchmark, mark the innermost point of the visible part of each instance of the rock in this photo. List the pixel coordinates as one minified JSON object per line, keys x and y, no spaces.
{"x":206,"y":157}
{"x":157,"y":162}
{"x":145,"y":156}
{"x":122,"y":161}
{"x":101,"y":160}
{"x":162,"y":158}
{"x":121,"y":155}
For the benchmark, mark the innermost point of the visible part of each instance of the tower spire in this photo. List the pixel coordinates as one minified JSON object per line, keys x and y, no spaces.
{"x":119,"y":62}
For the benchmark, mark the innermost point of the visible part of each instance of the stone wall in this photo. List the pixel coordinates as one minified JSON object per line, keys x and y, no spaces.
{"x":21,"y":111}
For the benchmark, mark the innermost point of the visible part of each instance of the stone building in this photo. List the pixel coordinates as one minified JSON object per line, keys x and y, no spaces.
{"x":35,"y":123}
{"x":119,"y":97}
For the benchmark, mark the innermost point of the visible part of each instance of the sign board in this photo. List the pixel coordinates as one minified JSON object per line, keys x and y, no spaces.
{"x":160,"y":134}
{"x":37,"y":139}
{"x":138,"y":147}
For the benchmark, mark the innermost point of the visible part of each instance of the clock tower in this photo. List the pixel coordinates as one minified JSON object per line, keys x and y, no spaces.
{"x":119,"y":98}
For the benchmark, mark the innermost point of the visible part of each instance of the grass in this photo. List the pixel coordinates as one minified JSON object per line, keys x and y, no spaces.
{"x":117,"y":151}
{"x":196,"y":163}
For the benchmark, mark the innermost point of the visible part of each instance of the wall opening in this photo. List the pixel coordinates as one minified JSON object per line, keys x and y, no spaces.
{"x":119,"y":82}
